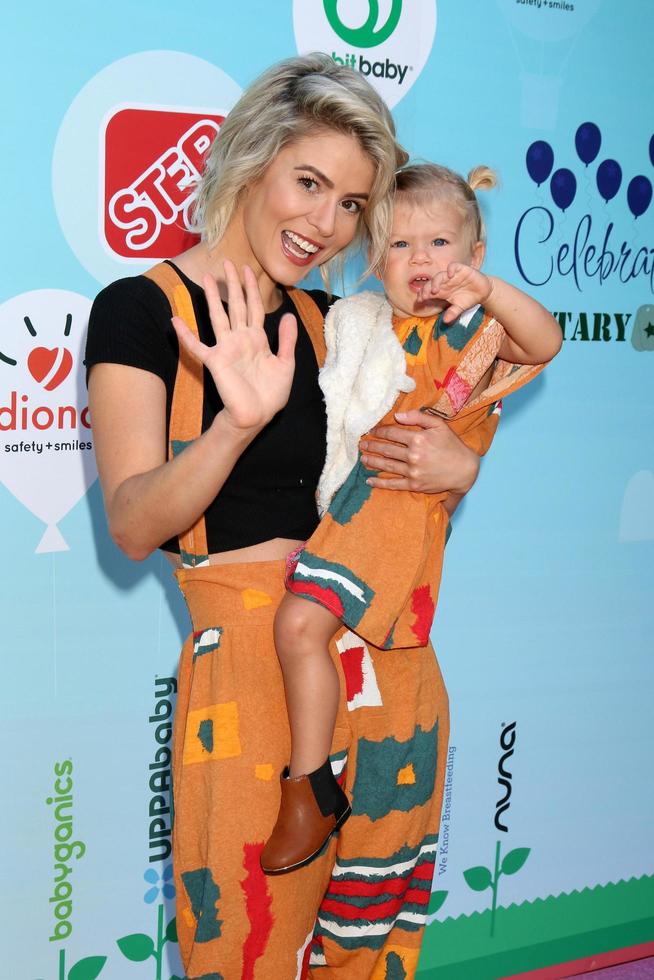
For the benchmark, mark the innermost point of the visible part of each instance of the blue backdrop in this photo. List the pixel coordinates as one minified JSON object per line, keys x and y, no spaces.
{"x":545,"y":618}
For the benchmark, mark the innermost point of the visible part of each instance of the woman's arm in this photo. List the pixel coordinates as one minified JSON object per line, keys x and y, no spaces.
{"x":148,"y":499}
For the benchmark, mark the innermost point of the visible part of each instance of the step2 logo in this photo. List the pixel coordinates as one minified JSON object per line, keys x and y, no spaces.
{"x":46,"y":446}
{"x":388,"y":42}
{"x":128,"y":155}
{"x":153,"y":160}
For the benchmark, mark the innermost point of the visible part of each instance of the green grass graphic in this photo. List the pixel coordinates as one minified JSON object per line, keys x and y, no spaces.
{"x":540,"y":933}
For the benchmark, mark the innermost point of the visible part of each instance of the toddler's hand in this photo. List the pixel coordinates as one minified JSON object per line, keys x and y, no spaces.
{"x":460,"y":286}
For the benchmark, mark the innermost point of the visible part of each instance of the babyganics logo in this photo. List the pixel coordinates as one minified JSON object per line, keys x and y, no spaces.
{"x":46,"y":458}
{"x":388,"y":42}
{"x":585,"y":229}
{"x":480,"y":878}
{"x":128,"y":156}
{"x":153,"y":159}
{"x":67,"y":851}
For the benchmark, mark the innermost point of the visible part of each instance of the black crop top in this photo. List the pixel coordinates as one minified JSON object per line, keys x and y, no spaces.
{"x":270,"y":492}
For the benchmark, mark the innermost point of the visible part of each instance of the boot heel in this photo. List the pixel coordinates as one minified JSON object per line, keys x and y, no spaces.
{"x":341,"y":820}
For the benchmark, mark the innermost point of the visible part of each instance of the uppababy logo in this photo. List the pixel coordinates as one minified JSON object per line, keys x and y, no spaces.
{"x":370,"y":33}
{"x":153,"y":159}
{"x":400,"y":33}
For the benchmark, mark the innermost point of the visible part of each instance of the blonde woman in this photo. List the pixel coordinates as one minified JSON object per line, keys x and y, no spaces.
{"x":211,"y":449}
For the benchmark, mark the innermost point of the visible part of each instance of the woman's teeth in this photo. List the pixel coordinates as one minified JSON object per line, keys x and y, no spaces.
{"x":299,"y":247}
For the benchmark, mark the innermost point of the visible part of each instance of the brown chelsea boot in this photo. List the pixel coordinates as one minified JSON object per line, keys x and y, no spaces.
{"x":312,"y":808}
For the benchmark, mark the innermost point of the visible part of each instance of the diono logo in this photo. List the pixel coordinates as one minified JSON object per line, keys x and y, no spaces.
{"x":153,"y":159}
{"x":401,"y":36}
{"x":46,"y":458}
{"x":50,"y":367}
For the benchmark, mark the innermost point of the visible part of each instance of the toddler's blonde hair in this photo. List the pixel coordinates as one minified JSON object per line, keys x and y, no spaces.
{"x":421,"y":181}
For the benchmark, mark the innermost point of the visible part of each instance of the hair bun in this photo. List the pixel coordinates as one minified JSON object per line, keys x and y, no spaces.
{"x":482,"y":178}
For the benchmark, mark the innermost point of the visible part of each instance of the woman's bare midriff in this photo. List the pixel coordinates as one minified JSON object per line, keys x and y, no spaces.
{"x":265,"y":551}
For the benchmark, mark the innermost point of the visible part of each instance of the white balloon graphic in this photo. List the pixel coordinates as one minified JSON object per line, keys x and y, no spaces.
{"x":46,"y":454}
{"x":636,"y":514}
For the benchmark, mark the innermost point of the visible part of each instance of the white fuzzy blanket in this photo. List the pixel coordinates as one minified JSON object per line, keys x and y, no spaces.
{"x":364,"y":370}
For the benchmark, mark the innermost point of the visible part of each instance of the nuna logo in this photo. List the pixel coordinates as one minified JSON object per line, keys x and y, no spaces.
{"x":388,"y":41}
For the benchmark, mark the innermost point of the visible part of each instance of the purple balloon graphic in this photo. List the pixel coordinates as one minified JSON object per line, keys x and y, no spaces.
{"x":588,"y":140}
{"x":639,"y":195}
{"x":563,"y":187}
{"x":540,"y":160}
{"x":609,"y":178}
{"x":651,"y":149}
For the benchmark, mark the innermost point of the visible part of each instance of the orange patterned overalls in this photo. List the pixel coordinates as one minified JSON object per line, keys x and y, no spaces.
{"x":358,"y":911}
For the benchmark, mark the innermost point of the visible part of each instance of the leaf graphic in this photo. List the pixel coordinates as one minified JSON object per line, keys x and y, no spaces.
{"x":88,"y":968}
{"x":478,"y":878}
{"x":514,"y":860}
{"x":136,"y":947}
{"x":436,"y":901}
{"x":171,"y":931}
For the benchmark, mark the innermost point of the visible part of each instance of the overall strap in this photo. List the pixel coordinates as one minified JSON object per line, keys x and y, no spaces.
{"x":313,"y":320}
{"x":188,"y":397}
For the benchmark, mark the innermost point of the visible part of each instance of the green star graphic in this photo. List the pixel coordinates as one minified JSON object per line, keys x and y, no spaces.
{"x":649,"y":329}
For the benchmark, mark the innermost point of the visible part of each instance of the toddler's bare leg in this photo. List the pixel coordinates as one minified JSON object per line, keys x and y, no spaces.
{"x":303,"y":630}
{"x":312,"y":806}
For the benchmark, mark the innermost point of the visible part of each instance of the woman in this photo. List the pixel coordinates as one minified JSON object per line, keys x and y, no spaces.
{"x":302,"y":168}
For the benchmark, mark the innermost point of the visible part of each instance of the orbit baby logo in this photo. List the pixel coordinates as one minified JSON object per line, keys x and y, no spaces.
{"x":153,"y":160}
{"x":128,"y":155}
{"x":388,"y":41}
{"x":46,"y":457}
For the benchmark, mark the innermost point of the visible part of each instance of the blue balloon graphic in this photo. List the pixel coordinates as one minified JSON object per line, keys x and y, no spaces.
{"x":651,"y":149}
{"x":609,"y":178}
{"x":563,"y":187}
{"x":639,"y":194}
{"x":588,"y":140}
{"x":540,"y":160}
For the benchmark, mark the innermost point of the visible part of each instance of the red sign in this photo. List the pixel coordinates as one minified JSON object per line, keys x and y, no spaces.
{"x":152,"y":161}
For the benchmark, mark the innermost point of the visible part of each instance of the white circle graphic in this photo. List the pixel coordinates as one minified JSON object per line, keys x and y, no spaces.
{"x":164,"y":81}
{"x":46,"y":446}
{"x":388,"y":41}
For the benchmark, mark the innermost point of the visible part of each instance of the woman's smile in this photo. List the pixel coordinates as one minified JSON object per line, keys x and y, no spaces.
{"x":299,"y":250}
